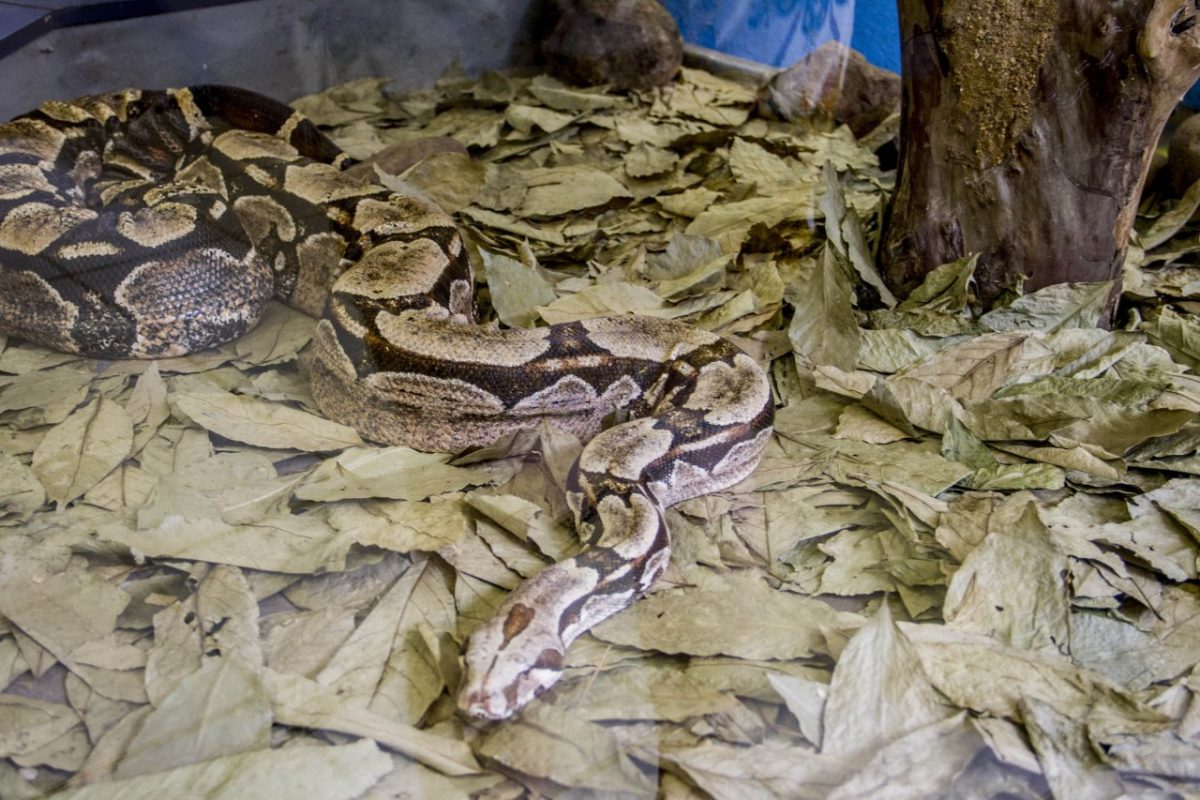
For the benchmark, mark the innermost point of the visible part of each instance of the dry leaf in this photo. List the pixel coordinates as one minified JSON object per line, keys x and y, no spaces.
{"x":892,"y":472}
{"x":393,"y":472}
{"x":741,"y":617}
{"x":298,"y":701}
{"x":1011,"y":586}
{"x":557,"y":746}
{"x":559,"y":190}
{"x":823,"y":329}
{"x":219,"y":710}
{"x":20,"y":491}
{"x":312,"y":771}
{"x":246,"y":419}
{"x":78,"y":452}
{"x":59,"y":603}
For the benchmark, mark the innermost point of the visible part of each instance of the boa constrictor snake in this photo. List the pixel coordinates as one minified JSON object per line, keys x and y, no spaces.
{"x":147,"y":224}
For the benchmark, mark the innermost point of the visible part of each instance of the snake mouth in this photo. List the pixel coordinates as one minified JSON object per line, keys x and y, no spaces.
{"x":492,"y":697}
{"x":493,"y":706}
{"x":480,"y":705}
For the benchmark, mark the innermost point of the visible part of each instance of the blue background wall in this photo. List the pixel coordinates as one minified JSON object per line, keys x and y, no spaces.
{"x":779,"y":32}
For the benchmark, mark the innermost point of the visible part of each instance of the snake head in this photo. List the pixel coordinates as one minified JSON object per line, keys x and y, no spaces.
{"x":510,"y":661}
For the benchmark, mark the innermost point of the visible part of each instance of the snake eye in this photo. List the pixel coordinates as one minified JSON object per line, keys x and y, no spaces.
{"x":549,"y":659}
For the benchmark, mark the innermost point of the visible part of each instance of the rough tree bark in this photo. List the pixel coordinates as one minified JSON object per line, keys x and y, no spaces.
{"x":1028,"y":128}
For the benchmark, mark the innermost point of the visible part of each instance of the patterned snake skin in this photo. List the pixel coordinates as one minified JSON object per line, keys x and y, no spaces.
{"x":147,"y":224}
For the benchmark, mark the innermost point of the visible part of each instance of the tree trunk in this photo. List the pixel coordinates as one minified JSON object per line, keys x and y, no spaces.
{"x":1028,"y":128}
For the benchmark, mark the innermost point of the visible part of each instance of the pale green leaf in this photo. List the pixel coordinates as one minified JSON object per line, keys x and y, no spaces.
{"x":377,"y":666}
{"x":559,"y":96}
{"x":20,"y":491}
{"x":1063,"y":305}
{"x":299,"y":701}
{"x":256,"y":422}
{"x":643,"y":692}
{"x":474,"y":127}
{"x":605,"y":299}
{"x":28,"y":724}
{"x":219,"y":710}
{"x":845,"y":231}
{"x":644,"y":161}
{"x":554,"y":191}
{"x":516,"y":289}
{"x":527,"y":521}
{"x":742,"y":618}
{"x":402,"y":526}
{"x":689,"y":203}
{"x":978,"y":673}
{"x":277,"y":337}
{"x":1010,"y":587}
{"x":974,"y":369}
{"x":1069,"y":761}
{"x":290,"y":543}
{"x":339,"y":772}
{"x":805,"y":698}
{"x":824,"y":329}
{"x":893,"y":349}
{"x":558,"y":746}
{"x":730,"y":222}
{"x":945,"y":288}
{"x":394,"y":472}
{"x":525,"y":118}
{"x":452,"y":180}
{"x":45,"y":397}
{"x":61,"y":604}
{"x":1170,"y":223}
{"x":752,"y":163}
{"x":78,"y":452}
{"x":1179,"y":335}
{"x":945,"y":751}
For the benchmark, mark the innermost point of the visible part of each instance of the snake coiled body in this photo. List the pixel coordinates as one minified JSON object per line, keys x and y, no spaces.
{"x":147,"y":224}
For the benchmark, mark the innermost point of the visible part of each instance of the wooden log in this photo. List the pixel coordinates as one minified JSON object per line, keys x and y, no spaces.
{"x":1028,"y":127}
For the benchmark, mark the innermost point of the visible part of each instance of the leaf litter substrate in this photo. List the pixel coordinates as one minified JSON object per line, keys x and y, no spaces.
{"x":967,"y":565}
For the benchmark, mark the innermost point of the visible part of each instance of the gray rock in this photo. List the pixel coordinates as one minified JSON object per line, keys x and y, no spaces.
{"x":1183,"y":156}
{"x":628,"y":44}
{"x":836,"y":81}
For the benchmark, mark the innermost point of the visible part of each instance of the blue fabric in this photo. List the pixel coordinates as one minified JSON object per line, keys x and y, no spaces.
{"x":877,"y":33}
{"x":780,"y":32}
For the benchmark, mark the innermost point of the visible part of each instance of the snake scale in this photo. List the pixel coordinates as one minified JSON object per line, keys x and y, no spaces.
{"x":148,"y":224}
